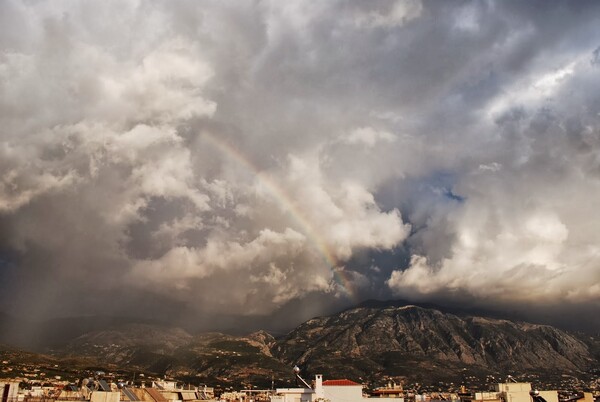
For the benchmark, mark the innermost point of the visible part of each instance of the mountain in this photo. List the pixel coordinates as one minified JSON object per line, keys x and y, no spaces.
{"x":399,"y":339}
{"x":368,"y":342}
{"x":173,"y":352}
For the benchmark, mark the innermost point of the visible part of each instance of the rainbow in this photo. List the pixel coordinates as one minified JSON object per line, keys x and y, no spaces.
{"x":287,"y":204}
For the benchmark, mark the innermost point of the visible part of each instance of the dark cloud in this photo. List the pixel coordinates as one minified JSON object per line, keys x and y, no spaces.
{"x":227,"y":160}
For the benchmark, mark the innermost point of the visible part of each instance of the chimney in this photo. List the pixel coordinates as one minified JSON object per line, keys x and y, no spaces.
{"x":319,"y":386}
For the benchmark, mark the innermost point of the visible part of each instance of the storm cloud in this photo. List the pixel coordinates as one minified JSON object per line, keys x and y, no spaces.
{"x":240,"y":158}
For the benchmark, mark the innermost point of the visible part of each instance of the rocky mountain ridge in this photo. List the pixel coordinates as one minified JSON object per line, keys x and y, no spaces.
{"x":389,"y":339}
{"x":368,"y":341}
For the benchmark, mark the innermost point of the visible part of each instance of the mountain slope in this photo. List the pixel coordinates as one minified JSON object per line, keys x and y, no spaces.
{"x":367,"y":342}
{"x":395,"y":340}
{"x":173,"y":352}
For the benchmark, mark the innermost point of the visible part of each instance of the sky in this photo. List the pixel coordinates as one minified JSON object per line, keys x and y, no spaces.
{"x":277,"y":160}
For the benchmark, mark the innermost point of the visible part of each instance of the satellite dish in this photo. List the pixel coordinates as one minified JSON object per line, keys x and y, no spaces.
{"x":296,"y":370}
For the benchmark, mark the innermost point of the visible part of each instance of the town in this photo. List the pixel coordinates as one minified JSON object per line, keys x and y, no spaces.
{"x":41,"y":385}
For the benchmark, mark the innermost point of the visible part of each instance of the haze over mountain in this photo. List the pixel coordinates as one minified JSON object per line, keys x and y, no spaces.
{"x":226,"y":164}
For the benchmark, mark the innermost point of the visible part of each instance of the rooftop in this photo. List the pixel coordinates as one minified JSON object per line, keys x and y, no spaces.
{"x":340,"y":382}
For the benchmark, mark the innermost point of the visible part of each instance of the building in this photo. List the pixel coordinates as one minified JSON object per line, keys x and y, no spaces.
{"x":389,"y":391}
{"x":513,"y":392}
{"x":9,"y":390}
{"x":340,"y":390}
{"x":105,"y":396}
{"x":331,"y":390}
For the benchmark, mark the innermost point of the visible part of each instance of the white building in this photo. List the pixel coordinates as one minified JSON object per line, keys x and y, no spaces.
{"x":514,"y":392}
{"x":332,"y":391}
{"x":342,"y":391}
{"x":105,"y":396}
{"x":294,"y":395}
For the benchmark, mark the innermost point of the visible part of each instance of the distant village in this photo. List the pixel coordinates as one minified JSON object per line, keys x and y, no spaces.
{"x":106,"y":387}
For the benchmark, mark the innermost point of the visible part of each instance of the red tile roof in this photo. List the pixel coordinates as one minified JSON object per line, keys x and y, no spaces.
{"x":340,"y":382}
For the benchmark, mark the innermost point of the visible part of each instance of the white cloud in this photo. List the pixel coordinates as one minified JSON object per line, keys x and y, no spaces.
{"x":535,"y":90}
{"x":368,"y":136}
{"x":18,"y":188}
{"x":507,"y":250}
{"x":347,"y":218}
{"x":327,"y":119}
